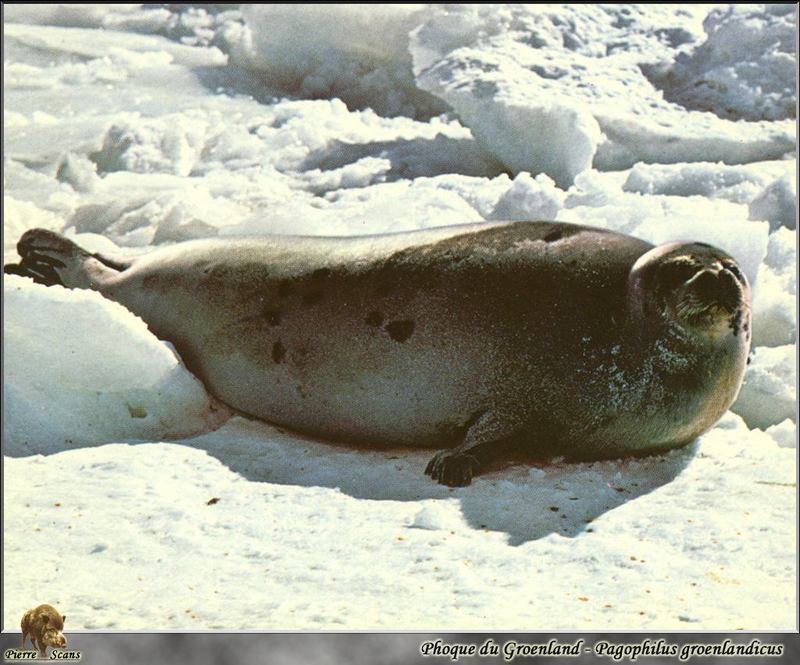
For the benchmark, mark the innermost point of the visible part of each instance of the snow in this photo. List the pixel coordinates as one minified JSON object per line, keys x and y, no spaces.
{"x":108,"y":365}
{"x":337,"y":538}
{"x":132,"y":126}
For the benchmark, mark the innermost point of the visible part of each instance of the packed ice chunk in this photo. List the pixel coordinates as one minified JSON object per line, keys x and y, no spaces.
{"x":768,"y":188}
{"x":746,"y":69}
{"x":530,"y":199}
{"x":739,"y":183}
{"x":80,"y":369}
{"x":768,"y":395}
{"x":19,"y":216}
{"x":777,"y":203}
{"x":543,"y":92}
{"x":172,"y":145}
{"x":358,"y":53}
{"x":785,"y":433}
{"x":775,"y":298}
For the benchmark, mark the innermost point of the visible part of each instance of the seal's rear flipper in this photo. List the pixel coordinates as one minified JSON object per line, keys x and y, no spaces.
{"x":49,"y":258}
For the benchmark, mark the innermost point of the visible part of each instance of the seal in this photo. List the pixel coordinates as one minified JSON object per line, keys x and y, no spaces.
{"x":491,"y":341}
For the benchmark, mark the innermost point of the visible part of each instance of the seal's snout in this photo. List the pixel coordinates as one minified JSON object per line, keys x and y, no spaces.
{"x":718,"y":286}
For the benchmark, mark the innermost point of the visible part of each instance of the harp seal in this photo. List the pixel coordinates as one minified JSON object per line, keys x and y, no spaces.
{"x":488,"y":341}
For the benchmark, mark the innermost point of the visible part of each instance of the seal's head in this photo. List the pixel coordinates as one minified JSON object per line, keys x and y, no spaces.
{"x":694,"y":286}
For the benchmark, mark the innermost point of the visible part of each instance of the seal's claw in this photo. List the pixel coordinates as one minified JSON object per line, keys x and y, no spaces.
{"x":452,"y":469}
{"x":42,"y":272}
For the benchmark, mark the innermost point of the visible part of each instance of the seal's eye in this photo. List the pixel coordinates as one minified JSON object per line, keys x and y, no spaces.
{"x":676,"y":273}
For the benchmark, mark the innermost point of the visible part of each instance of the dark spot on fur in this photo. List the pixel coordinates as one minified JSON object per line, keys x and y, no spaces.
{"x":299,"y":356}
{"x":561,"y":232}
{"x":320,"y":274}
{"x":278,"y":351}
{"x":285,"y":289}
{"x":312,"y":297}
{"x":400,"y":331}
{"x":273,"y":317}
{"x":374,"y":319}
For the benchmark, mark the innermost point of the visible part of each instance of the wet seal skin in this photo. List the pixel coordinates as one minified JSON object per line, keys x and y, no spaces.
{"x":523,"y":339}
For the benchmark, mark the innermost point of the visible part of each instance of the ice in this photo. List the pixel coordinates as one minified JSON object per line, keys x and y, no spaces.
{"x":19,"y":216}
{"x":775,"y":304}
{"x":769,"y":394}
{"x":358,"y":53}
{"x":439,"y":515}
{"x":785,"y":433}
{"x":72,"y":14}
{"x":133,"y":126}
{"x":530,"y":199}
{"x":777,"y":203}
{"x":171,"y":145}
{"x":746,"y":68}
{"x":769,"y":188}
{"x":349,"y":211}
{"x":328,"y":557}
{"x":85,"y":370}
{"x":530,"y":72}
{"x":98,"y":54}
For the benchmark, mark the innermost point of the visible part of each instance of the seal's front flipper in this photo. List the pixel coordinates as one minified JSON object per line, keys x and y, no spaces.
{"x":486,"y":441}
{"x":49,"y":258}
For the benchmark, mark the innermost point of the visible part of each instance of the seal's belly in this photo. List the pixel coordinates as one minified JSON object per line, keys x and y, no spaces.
{"x":333,"y":358}
{"x":403,"y":382}
{"x":405,"y":402}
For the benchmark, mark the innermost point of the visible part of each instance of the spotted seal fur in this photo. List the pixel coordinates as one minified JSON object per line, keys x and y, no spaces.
{"x":487,"y":340}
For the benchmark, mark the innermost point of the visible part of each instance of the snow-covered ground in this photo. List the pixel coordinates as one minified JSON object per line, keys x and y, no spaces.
{"x":133,"y":500}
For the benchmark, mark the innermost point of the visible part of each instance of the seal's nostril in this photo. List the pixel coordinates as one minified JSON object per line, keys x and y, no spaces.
{"x":704,"y":281}
{"x":728,"y":278}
